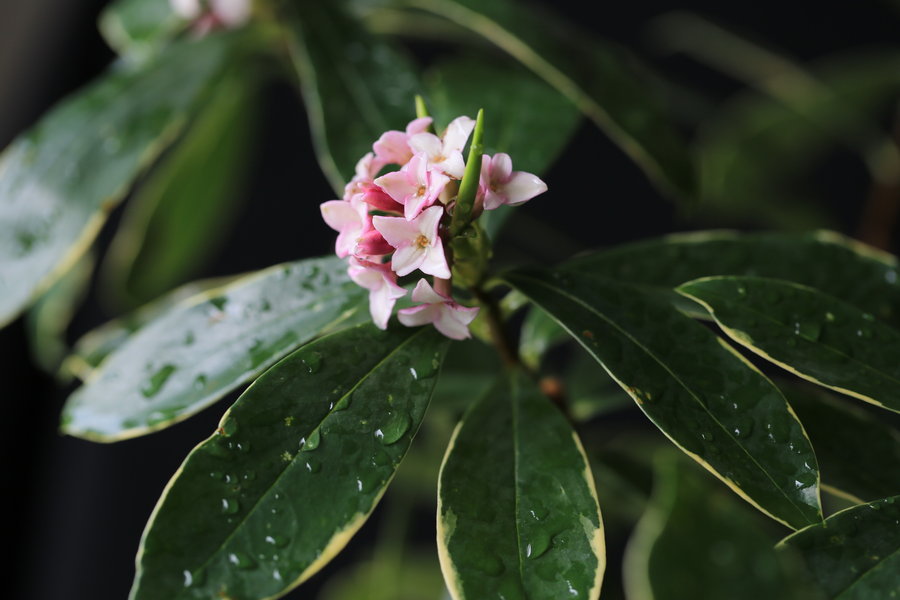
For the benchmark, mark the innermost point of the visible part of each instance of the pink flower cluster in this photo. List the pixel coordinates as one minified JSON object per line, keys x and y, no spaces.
{"x":410,"y":227}
{"x":213,"y":14}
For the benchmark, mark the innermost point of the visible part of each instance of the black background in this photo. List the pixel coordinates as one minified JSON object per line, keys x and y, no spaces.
{"x":75,"y":510}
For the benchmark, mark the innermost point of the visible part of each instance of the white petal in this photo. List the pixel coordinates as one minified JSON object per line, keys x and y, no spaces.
{"x":453,"y":322}
{"x":458,"y":132}
{"x":435,"y":261}
{"x":427,"y":223}
{"x":523,"y":186}
{"x":232,"y":12}
{"x":424,"y":293}
{"x":407,"y":259}
{"x":397,"y":185}
{"x":426,"y":143}
{"x":453,"y":165}
{"x":501,"y":167}
{"x":381,"y":303}
{"x":186,"y":9}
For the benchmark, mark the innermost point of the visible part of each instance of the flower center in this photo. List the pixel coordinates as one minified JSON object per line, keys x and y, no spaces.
{"x":422,"y":241}
{"x":421,"y":191}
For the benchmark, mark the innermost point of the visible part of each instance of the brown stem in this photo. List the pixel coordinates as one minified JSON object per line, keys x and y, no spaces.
{"x":882,"y":208}
{"x":499,"y":337}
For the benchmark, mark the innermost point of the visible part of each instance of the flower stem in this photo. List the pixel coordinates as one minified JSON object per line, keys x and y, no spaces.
{"x":499,"y":337}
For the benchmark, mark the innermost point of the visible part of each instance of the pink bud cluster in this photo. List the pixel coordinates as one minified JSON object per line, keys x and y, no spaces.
{"x":398,"y":223}
{"x":209,"y":15}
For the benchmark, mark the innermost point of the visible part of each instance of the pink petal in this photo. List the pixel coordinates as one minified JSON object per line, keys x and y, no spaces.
{"x":418,"y":315}
{"x":501,"y":168}
{"x":232,"y":12}
{"x":339,"y":215}
{"x":396,"y":230}
{"x":522,"y":187}
{"x":424,"y":293}
{"x":427,"y":223}
{"x":426,"y":143}
{"x":399,"y":185}
{"x":375,"y":197}
{"x":457,"y":133}
{"x":372,"y":243}
{"x":419,"y":125}
{"x":382,"y":301}
{"x":392,"y":148}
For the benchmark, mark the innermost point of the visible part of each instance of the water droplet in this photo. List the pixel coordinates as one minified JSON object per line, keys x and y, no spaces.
{"x":217,"y":475}
{"x":249,"y":476}
{"x":367,"y":482}
{"x":313,"y":441}
{"x":229,"y":427}
{"x":265,"y":306}
{"x":313,"y":466}
{"x":707,"y":436}
{"x":412,"y":371}
{"x":219,"y":302}
{"x":742,"y":428}
{"x":313,"y":361}
{"x":157,"y":381}
{"x":277,"y":540}
{"x":343,"y":403}
{"x":539,"y":543}
{"x":741,"y":290}
{"x":809,"y":330}
{"x":230,"y":506}
{"x":241,"y":560}
{"x":189,"y":338}
{"x":200,"y":382}
{"x":397,"y":425}
{"x":829,"y":316}
{"x":188,"y":578}
{"x":864,"y":332}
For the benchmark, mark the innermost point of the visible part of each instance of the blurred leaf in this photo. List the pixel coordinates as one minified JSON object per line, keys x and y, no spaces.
{"x":180,"y":215}
{"x":469,"y":371}
{"x":540,"y":332}
{"x":414,"y":576}
{"x":858,"y":454}
{"x":199,"y":350}
{"x":591,"y":394}
{"x":49,"y":318}
{"x":294,"y":469}
{"x":854,"y":554}
{"x":827,"y":261}
{"x":355,"y":86}
{"x":517,"y":508}
{"x":605,"y":81}
{"x":809,"y":333}
{"x":138,"y":29}
{"x":702,"y":394}
{"x":59,"y":181}
{"x":525,"y":117}
{"x":94,"y":346}
{"x":694,"y":541}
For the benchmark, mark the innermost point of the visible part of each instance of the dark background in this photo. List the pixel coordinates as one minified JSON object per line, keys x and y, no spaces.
{"x":75,"y":509}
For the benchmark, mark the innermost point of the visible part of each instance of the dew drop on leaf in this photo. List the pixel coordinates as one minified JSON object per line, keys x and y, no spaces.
{"x":393,"y":430}
{"x":538,"y":544}
{"x":313,"y":441}
{"x":230,"y":506}
{"x":241,"y":560}
{"x":156,"y":382}
{"x":313,"y":361}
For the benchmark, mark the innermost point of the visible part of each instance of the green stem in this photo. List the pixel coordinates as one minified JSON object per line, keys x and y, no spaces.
{"x":468,"y":188}
{"x":501,"y":341}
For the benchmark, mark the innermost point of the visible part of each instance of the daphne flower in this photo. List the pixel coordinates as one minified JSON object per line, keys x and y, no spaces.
{"x":393,"y":146}
{"x":414,"y":186}
{"x":417,"y":242}
{"x":382,"y":285}
{"x":349,"y":219}
{"x":445,"y":154}
{"x":213,"y":13}
{"x":501,"y":185}
{"x":449,"y":318}
{"x":371,"y":243}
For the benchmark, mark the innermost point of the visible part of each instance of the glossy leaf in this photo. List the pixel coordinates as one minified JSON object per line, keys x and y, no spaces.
{"x":49,"y":318}
{"x":180,"y":216}
{"x":827,"y":261}
{"x":858,"y":454}
{"x":694,"y":541}
{"x":138,"y":29}
{"x":533,"y":130}
{"x":854,"y":554}
{"x":517,"y":509}
{"x":201,"y":349}
{"x":702,"y":394}
{"x":93,"y":347}
{"x":59,"y":180}
{"x":603,"y":80}
{"x":355,"y":86}
{"x":294,"y":469}
{"x":809,"y":333}
{"x":591,"y":393}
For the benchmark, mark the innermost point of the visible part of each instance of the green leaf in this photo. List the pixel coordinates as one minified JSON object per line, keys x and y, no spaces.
{"x":355,"y":86}
{"x":603,"y":80}
{"x":859,"y":455}
{"x":589,"y":393}
{"x":138,"y":29}
{"x":413,"y":576}
{"x":49,"y":318}
{"x":59,"y":181}
{"x":540,"y":332}
{"x":517,"y":509}
{"x":181,"y":214}
{"x":827,"y":261}
{"x":699,"y":391}
{"x":854,"y":554}
{"x":199,"y":350}
{"x":809,"y":333}
{"x":533,"y":130}
{"x":94,"y":346}
{"x":694,"y":541}
{"x":294,"y":469}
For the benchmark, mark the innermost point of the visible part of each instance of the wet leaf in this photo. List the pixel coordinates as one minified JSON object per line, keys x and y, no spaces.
{"x":59,"y":180}
{"x":809,"y":333}
{"x":854,"y":554}
{"x":294,"y":469}
{"x":199,"y":350}
{"x":138,"y":29}
{"x":517,"y":508}
{"x":702,"y":394}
